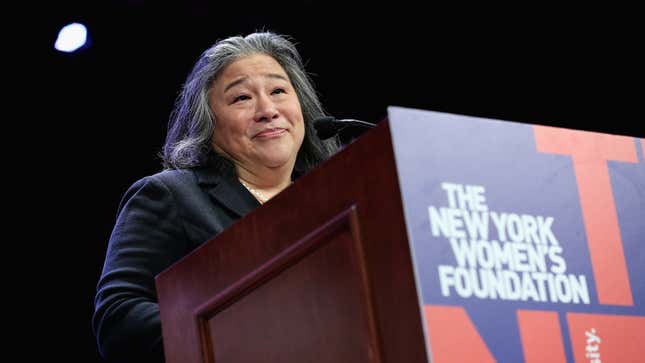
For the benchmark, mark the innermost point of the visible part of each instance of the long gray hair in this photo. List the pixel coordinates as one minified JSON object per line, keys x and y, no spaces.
{"x":188,"y":141}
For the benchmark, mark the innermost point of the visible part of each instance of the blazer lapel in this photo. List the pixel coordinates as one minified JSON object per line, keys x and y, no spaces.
{"x":225,"y":189}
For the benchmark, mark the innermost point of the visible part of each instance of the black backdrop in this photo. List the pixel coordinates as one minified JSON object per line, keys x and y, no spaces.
{"x":107,"y":106}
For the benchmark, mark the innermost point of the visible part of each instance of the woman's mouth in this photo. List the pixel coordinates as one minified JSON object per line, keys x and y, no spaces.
{"x":270,"y":133}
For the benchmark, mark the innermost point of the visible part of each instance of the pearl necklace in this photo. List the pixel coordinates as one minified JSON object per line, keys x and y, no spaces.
{"x":259,"y":196}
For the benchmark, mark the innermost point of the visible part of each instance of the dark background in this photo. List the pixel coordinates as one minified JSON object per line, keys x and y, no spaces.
{"x":107,"y":106}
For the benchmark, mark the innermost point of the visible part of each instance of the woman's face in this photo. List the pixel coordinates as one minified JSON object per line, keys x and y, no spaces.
{"x":258,"y":119}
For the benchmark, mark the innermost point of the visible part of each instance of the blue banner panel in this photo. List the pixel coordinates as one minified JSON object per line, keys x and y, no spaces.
{"x":528,"y":240}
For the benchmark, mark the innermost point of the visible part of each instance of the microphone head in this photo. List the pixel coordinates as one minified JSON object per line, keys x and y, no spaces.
{"x":326,"y":127}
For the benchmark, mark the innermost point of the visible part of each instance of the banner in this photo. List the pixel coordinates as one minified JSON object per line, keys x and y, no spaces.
{"x":528,"y":240}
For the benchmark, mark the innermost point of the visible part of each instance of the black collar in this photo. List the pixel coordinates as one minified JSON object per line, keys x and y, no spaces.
{"x":222,"y":184}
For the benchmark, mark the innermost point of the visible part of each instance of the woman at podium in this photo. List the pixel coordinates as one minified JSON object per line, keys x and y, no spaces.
{"x":241,"y":131}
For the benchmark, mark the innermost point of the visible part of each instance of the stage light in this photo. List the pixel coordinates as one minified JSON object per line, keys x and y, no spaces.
{"x":71,"y":38}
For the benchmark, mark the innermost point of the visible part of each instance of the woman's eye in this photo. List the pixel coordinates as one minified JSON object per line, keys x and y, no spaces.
{"x":278,"y":90}
{"x":240,"y":98}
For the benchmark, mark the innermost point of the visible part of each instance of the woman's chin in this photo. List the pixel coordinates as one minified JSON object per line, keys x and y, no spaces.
{"x":276,"y":156}
{"x":273,"y":163}
{"x":276,"y":160}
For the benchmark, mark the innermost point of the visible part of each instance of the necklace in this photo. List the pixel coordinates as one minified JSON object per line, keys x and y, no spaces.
{"x":260,"y":197}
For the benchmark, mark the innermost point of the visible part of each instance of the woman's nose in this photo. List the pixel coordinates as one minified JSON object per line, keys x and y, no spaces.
{"x":265,"y":109}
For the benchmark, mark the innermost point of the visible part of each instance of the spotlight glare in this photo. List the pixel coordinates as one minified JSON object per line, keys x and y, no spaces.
{"x":71,"y":37}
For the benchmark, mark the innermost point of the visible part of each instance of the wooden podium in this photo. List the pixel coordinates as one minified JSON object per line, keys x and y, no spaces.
{"x":323,"y":272}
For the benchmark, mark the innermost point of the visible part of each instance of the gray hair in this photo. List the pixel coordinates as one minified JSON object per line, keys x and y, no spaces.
{"x":190,"y":128}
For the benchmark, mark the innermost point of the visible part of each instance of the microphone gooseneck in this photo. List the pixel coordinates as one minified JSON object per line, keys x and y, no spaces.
{"x":329,"y":126}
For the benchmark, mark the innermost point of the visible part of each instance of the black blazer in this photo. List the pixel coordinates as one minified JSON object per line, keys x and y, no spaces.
{"x":161,"y":218}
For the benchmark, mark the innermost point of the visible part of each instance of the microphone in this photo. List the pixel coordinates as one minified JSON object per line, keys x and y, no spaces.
{"x":328,"y":126}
